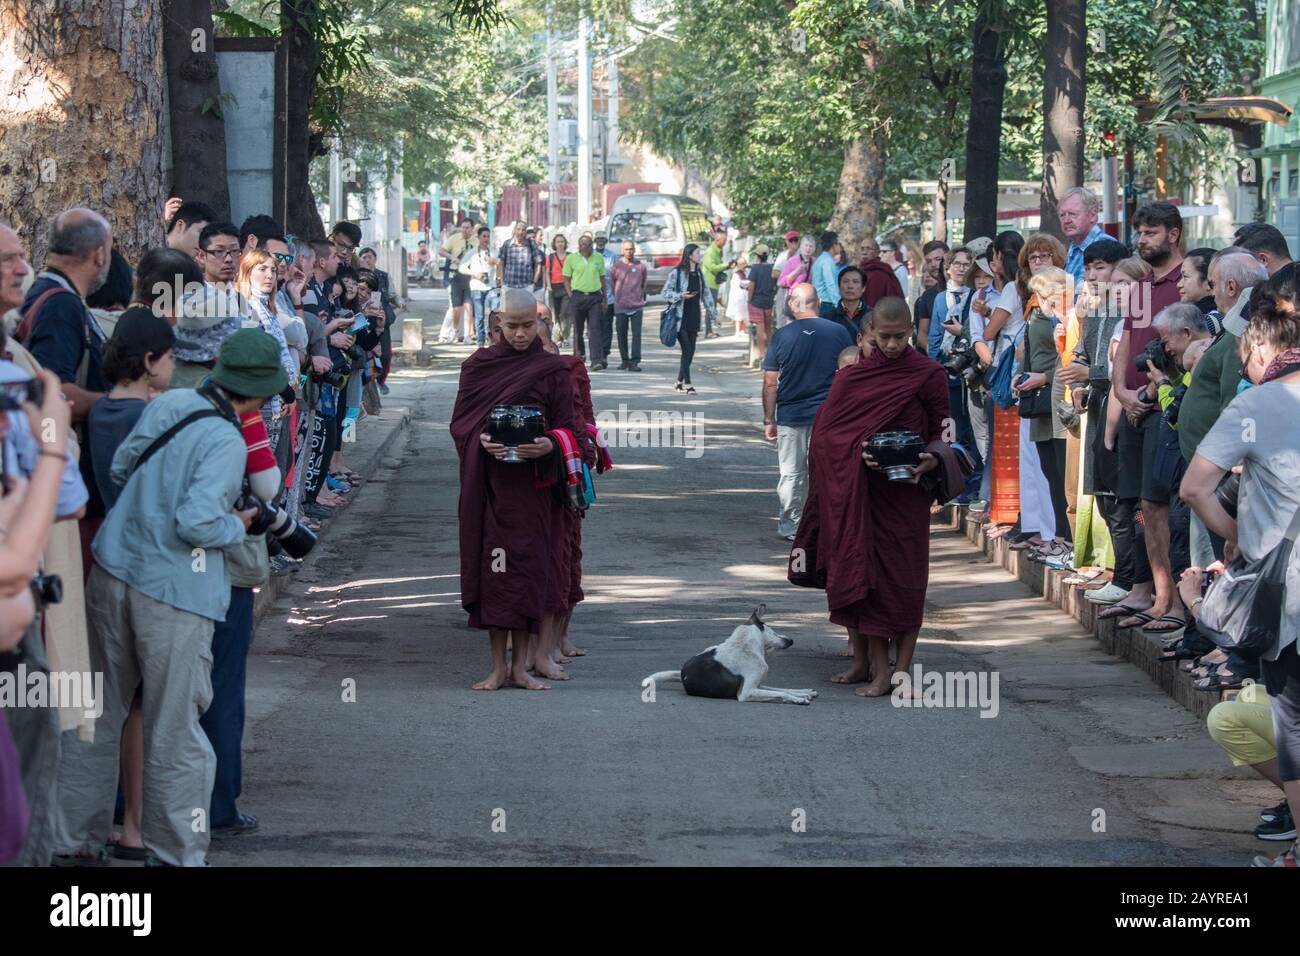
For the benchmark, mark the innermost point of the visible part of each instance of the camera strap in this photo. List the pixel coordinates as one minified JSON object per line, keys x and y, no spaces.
{"x":170,"y":433}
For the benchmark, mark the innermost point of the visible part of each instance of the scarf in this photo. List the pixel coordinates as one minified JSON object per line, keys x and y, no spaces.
{"x":1284,"y":363}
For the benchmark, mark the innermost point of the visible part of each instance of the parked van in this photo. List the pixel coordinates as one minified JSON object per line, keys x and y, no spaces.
{"x":661,"y":225}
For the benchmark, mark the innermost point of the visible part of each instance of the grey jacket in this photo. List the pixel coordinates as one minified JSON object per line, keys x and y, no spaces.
{"x":675,"y":287}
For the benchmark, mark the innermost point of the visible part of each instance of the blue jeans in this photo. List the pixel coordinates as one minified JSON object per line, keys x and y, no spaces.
{"x":223,"y":721}
{"x":479,"y":300}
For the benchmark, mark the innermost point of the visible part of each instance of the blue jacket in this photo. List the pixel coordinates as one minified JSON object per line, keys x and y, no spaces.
{"x":824,"y":276}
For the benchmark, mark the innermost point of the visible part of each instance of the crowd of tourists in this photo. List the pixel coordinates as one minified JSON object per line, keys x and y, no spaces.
{"x":1125,"y":415}
{"x":175,"y":432}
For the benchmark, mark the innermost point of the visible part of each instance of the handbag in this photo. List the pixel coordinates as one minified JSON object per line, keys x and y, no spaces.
{"x":1243,"y":606}
{"x":998,"y":378}
{"x":1036,"y":403}
{"x":670,"y":322}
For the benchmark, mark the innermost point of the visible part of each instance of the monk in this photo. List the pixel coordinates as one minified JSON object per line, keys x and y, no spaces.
{"x":506,"y":520}
{"x":863,"y":538}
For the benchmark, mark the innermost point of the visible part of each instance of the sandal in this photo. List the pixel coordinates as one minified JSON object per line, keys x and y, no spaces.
{"x":1178,"y":625}
{"x":1220,"y":680}
{"x":1117,"y":610}
{"x":1141,"y":617}
{"x":1177,"y":651}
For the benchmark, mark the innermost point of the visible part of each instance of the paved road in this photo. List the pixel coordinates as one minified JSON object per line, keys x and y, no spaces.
{"x":678,"y":550}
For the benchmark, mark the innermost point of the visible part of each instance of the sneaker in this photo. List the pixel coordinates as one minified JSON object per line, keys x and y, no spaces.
{"x":633,"y":367}
{"x":281,"y":566}
{"x":1267,"y":816}
{"x":1285,"y":858}
{"x":979,"y":504}
{"x":1112,"y":593}
{"x":1281,"y":827}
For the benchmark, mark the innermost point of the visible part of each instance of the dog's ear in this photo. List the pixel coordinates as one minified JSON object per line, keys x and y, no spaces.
{"x":757,"y":616}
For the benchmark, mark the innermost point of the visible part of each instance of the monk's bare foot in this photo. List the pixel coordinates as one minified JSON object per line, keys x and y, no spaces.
{"x":545,"y":667}
{"x":572,"y":650}
{"x":493,"y":681}
{"x":854,"y":675}
{"x":877,"y":688}
{"x":526,"y":682}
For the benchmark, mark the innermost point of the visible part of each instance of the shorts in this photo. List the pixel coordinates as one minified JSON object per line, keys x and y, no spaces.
{"x":1167,"y":465}
{"x":1137,"y":452}
{"x":760,"y":317}
{"x":459,"y":290}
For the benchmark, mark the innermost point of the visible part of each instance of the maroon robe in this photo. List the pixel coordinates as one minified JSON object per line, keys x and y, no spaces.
{"x":880,"y":281}
{"x":500,"y":505}
{"x":566,"y":547}
{"x":863,"y":538}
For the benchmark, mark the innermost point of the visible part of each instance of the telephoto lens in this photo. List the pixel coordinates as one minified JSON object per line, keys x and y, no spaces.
{"x":296,"y":539}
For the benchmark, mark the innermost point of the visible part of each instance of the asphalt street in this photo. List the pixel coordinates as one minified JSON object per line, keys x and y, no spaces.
{"x":365,"y":744}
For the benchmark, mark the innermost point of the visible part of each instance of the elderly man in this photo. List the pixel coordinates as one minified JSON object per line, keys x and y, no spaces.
{"x":1078,"y":211}
{"x":508,"y":522}
{"x":878,"y":278}
{"x":797,"y":372}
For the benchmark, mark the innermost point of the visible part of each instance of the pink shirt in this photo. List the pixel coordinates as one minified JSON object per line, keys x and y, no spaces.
{"x":793,"y":272}
{"x":629,"y":285}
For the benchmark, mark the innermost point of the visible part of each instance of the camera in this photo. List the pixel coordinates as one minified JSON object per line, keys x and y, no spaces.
{"x":331,"y":378}
{"x":282,"y":532}
{"x":13,"y":394}
{"x":47,"y":589}
{"x":1228,"y":491}
{"x":964,"y":363}
{"x":1175,"y":404}
{"x":1159,"y":357}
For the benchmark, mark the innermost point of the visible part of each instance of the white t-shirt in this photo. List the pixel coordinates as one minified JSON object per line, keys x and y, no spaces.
{"x":1009,"y":300}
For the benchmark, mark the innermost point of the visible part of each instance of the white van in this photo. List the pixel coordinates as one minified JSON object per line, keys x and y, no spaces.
{"x":661,"y":225}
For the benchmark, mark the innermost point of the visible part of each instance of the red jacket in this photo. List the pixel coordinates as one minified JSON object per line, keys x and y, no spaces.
{"x":881,"y":281}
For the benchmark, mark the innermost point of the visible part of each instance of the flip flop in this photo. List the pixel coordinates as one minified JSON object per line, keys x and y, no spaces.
{"x":1116,"y":610}
{"x":1142,"y":618}
{"x":1178,"y":622}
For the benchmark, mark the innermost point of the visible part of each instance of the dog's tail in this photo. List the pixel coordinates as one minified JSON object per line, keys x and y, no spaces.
{"x":662,"y":676}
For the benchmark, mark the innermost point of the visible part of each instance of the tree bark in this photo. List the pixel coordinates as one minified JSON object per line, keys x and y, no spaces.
{"x":984,"y":128}
{"x":81,"y":91}
{"x":862,"y":180}
{"x":1063,"y":94}
{"x":301,"y":217}
{"x":198,"y":129}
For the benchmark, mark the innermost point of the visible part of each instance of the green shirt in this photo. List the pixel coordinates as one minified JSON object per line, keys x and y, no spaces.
{"x":584,"y":274}
{"x":711,"y":264}
{"x":1214,"y":385}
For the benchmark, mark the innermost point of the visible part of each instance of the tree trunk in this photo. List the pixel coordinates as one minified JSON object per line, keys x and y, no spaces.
{"x":1063,"y":90}
{"x":198,"y":130}
{"x":301,"y":217}
{"x":862,"y":180}
{"x":984,"y":129}
{"x":81,"y":90}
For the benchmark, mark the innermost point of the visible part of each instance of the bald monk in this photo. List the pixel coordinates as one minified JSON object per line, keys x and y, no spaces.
{"x":506,"y":522}
{"x":865,"y":539}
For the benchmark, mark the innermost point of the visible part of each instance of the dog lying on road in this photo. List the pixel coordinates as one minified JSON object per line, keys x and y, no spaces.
{"x":736,"y":667}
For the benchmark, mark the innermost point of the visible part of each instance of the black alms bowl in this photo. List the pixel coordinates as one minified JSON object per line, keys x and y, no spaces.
{"x":513,"y":425}
{"x":896,"y":452}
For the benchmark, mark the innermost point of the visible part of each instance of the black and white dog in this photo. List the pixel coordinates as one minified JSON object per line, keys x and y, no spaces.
{"x":736,"y":667}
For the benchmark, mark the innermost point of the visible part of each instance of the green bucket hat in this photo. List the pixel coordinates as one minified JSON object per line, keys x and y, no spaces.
{"x":249,"y":365}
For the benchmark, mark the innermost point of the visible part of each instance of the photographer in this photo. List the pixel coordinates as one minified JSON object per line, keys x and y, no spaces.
{"x":1260,"y":429}
{"x":181,"y":470}
{"x":950,"y":344}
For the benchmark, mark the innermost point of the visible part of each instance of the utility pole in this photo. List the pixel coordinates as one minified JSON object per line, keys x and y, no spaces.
{"x":337,"y":212}
{"x":611,"y":124}
{"x":552,"y":126}
{"x":584,"y":124}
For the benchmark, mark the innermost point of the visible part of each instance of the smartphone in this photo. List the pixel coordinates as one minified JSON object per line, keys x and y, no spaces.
{"x":28,"y":390}
{"x":360,"y":322}
{"x":375,"y":299}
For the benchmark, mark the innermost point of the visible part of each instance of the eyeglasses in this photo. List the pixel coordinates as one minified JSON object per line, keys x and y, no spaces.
{"x":343,"y":248}
{"x":222,"y":253}
{"x":1040,"y":257}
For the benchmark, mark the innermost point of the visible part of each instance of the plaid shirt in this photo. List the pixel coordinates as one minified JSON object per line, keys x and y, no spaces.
{"x":518,"y":263}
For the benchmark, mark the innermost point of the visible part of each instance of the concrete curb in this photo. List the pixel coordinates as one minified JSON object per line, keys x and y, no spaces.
{"x":366,"y":459}
{"x":1134,"y":646}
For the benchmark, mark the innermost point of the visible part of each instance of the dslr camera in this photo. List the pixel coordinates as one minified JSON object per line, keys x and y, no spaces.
{"x":1159,"y":357}
{"x":964,"y":363}
{"x":282,"y":532}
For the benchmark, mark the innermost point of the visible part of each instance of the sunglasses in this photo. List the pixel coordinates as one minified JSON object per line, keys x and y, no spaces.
{"x":286,"y":258}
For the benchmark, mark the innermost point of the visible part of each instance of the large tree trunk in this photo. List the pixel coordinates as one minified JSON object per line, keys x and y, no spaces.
{"x":81,"y":91}
{"x":984,"y":129}
{"x":862,"y":180}
{"x":1063,"y":90}
{"x":198,"y":129}
{"x":301,"y":216}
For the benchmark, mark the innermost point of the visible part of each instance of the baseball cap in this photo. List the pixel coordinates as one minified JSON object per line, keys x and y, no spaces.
{"x":792,"y":234}
{"x":979,"y":246}
{"x":983,"y":263}
{"x":761,"y":249}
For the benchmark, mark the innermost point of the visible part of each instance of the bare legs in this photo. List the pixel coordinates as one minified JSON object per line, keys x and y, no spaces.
{"x":516,"y":673}
{"x":548,"y":648}
{"x":860,"y":670}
